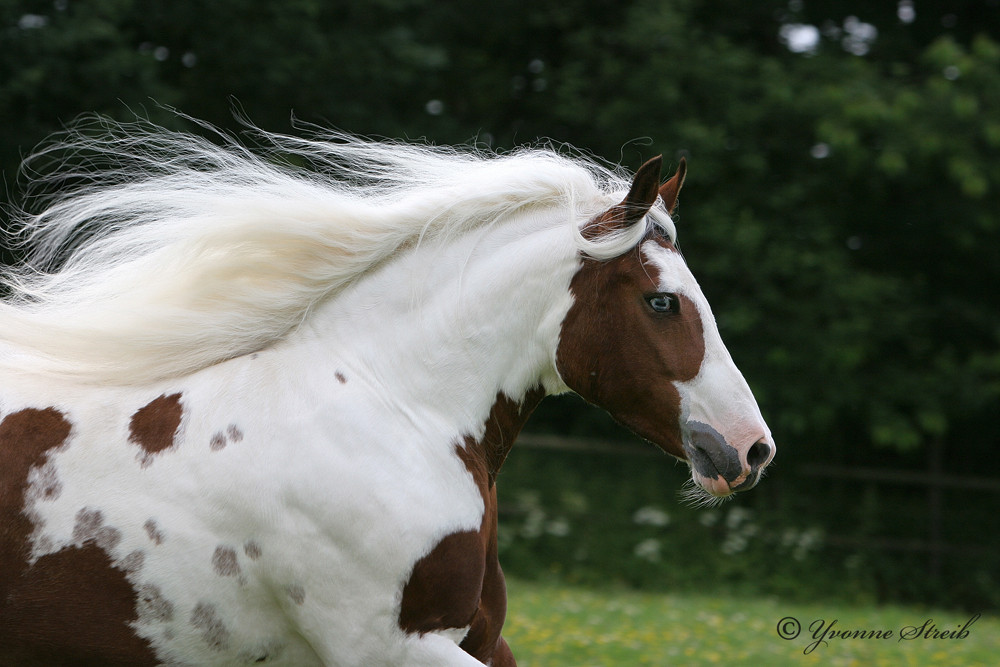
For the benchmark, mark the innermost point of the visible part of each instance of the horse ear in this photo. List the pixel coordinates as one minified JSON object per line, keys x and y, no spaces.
{"x":642,"y":195}
{"x":672,"y":188}
{"x":640,"y":198}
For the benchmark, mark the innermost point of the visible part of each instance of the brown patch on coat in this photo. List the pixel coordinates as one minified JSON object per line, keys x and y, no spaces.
{"x":483,"y":638}
{"x":217,"y":442}
{"x":296,"y":593}
{"x":72,"y":607}
{"x":444,"y":588}
{"x":26,"y":440}
{"x":507,"y":418}
{"x":90,"y":526}
{"x":340,"y":377}
{"x":205,"y":617}
{"x":154,"y":426}
{"x":151,"y":606}
{"x":232,"y":434}
{"x":502,"y":656}
{"x":153,"y":532}
{"x":252,"y":550}
{"x":43,"y":483}
{"x":618,"y":354}
{"x":460,"y":582}
{"x":133,"y":562}
{"x":224,"y":562}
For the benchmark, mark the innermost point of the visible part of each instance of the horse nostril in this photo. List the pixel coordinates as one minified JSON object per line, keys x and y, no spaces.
{"x":757,"y":454}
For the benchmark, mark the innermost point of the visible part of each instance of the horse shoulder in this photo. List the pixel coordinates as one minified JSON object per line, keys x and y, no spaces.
{"x":459,"y":584}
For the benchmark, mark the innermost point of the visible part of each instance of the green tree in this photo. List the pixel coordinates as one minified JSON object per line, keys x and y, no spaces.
{"x":841,"y":206}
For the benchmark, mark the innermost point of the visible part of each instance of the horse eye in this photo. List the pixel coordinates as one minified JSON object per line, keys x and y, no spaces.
{"x":663,"y":303}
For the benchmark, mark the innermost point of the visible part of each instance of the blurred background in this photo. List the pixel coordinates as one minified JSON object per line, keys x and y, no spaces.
{"x":842,"y":213}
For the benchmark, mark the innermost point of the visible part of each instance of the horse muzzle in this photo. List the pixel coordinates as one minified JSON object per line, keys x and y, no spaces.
{"x":721,"y":468}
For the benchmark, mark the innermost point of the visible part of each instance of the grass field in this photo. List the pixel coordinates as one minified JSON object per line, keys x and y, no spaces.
{"x":549,"y":626}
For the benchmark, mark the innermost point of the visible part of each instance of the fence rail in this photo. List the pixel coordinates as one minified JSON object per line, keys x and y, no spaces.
{"x":579,"y":444}
{"x":893,"y":476}
{"x":933,"y":479}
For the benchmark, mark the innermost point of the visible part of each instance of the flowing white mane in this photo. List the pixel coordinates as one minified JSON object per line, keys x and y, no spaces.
{"x":172,"y":252}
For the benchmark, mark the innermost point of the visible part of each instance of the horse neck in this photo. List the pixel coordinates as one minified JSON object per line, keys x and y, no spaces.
{"x":452,"y":329}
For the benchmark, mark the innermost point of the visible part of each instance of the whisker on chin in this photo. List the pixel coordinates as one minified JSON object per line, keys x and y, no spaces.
{"x":692,"y":495}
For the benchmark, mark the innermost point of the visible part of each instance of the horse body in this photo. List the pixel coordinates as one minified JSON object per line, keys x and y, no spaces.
{"x":330,"y":498}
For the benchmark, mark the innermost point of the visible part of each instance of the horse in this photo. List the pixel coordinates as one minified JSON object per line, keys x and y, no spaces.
{"x":254,"y":401}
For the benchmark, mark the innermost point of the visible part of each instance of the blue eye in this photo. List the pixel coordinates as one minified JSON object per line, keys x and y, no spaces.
{"x":663,"y":303}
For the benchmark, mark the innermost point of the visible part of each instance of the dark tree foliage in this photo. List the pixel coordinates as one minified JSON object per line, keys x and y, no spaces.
{"x":841,"y":210}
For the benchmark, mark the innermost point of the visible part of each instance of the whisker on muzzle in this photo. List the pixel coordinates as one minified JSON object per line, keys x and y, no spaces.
{"x":692,"y":495}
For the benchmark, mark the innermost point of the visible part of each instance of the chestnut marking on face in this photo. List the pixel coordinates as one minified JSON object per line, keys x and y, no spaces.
{"x":154,"y":426}
{"x":630,"y":371}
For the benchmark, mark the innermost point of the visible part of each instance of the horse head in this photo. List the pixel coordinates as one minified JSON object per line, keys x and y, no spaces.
{"x":640,"y":341}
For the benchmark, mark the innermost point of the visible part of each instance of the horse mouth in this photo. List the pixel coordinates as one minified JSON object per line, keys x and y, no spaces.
{"x":705,"y":473}
{"x":721,"y":469}
{"x":719,"y":487}
{"x":716,"y":486}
